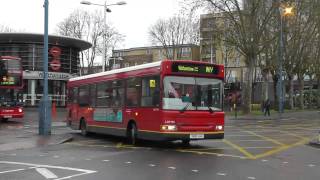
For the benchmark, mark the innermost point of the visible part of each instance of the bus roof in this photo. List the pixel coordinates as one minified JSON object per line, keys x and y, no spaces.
{"x":127,"y":69}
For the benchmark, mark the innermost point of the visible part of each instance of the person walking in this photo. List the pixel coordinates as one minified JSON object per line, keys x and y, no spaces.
{"x":267,"y":107}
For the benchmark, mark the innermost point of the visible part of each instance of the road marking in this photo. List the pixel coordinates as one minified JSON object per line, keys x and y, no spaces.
{"x":46,"y":173}
{"x":173,"y":168}
{"x":266,"y":138}
{"x":83,"y":171}
{"x":152,"y":165}
{"x":239,"y":148}
{"x":311,"y":165}
{"x":251,"y":178}
{"x":264,"y":160}
{"x":195,"y":170}
{"x":128,"y":162}
{"x":210,"y":153}
{"x":15,"y":170}
{"x":106,"y":160}
{"x":222,"y":174}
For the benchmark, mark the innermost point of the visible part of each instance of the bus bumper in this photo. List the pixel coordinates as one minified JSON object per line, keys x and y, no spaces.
{"x":162,"y":136}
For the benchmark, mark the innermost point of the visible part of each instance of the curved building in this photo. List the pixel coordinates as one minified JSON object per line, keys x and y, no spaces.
{"x":63,"y":63}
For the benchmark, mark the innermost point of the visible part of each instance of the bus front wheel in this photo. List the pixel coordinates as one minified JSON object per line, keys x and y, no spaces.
{"x":83,"y":128}
{"x":132,"y":134}
{"x":4,"y":120}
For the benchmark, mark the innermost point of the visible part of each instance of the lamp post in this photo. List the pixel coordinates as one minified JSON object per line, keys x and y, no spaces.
{"x":45,"y":118}
{"x":105,"y":10}
{"x":283,"y":11}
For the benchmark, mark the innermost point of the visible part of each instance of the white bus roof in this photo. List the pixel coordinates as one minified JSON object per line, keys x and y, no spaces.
{"x":127,"y":69}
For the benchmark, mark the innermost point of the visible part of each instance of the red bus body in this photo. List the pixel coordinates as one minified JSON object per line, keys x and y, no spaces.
{"x":11,"y":105}
{"x":158,"y":122}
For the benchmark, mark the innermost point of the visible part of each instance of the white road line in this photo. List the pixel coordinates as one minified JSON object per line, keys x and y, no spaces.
{"x":128,"y":162}
{"x":264,"y":160}
{"x":311,"y":165}
{"x":222,"y":174}
{"x":83,"y":171}
{"x":46,"y":173}
{"x":173,"y":168}
{"x":106,"y":160}
{"x":15,"y":170}
{"x":152,"y":165}
{"x":251,"y":178}
{"x":195,"y":170}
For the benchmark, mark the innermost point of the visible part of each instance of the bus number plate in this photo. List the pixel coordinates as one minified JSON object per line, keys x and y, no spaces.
{"x":196,"y":136}
{"x":7,"y":116}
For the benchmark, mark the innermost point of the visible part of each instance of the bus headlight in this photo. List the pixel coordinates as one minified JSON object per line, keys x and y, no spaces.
{"x":219,"y":128}
{"x":168,"y":127}
{"x":20,"y":110}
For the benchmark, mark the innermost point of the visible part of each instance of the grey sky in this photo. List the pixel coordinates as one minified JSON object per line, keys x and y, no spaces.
{"x":132,"y":20}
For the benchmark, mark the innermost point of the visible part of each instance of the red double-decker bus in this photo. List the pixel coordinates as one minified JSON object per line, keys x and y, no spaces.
{"x":168,"y":100}
{"x":11,"y":100}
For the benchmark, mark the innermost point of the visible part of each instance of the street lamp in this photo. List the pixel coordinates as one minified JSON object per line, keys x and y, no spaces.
{"x":284,"y":11}
{"x":105,"y":10}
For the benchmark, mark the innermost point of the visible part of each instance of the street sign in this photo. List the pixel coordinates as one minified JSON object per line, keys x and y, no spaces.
{"x":55,"y":65}
{"x":55,"y":51}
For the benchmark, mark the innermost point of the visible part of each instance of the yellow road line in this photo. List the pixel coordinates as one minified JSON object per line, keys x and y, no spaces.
{"x":266,"y":138}
{"x":239,"y":148}
{"x":282,"y":148}
{"x":212,"y":153}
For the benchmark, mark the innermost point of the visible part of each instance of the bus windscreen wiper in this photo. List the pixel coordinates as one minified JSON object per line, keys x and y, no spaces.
{"x":185,"y":107}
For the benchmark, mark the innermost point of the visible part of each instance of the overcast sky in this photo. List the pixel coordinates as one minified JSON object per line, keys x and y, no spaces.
{"x":131,"y":20}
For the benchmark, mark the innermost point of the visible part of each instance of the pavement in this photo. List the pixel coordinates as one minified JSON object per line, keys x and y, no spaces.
{"x":15,"y":134}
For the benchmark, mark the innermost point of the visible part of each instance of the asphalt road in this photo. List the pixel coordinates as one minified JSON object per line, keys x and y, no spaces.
{"x":252,"y":149}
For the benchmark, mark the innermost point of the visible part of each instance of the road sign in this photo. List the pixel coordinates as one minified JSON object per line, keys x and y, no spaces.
{"x":55,"y":65}
{"x":55,"y":51}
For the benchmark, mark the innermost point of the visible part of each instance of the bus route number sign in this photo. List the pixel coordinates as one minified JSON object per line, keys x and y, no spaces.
{"x":195,"y":68}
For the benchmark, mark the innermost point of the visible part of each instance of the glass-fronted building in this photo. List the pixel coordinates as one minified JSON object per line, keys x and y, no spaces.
{"x":63,"y":63}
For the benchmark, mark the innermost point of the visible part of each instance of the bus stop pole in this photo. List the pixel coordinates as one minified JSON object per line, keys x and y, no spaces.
{"x":45,"y":118}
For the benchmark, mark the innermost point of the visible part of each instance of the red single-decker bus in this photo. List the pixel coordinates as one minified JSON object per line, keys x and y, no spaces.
{"x":11,"y":100}
{"x":167,"y":100}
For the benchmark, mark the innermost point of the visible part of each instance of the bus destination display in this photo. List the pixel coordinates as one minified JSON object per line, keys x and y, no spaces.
{"x":195,"y":68}
{"x":9,"y":81}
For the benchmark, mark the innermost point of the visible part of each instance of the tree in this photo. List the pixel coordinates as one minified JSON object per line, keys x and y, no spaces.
{"x":246,"y":24}
{"x":89,"y":26}
{"x":170,"y":33}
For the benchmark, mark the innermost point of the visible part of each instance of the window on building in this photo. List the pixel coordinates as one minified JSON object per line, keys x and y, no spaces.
{"x":185,"y":52}
{"x":133,"y":92}
{"x":150,"y":91}
{"x":126,"y":64}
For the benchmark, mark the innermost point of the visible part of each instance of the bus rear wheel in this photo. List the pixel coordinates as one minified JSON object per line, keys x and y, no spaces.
{"x":83,"y":128}
{"x":132,"y":134}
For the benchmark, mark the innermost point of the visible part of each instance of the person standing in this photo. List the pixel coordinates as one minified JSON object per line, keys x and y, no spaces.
{"x":267,"y":107}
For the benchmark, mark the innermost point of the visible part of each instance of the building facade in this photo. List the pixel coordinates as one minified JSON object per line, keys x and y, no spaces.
{"x":136,"y":56}
{"x":63,"y":63}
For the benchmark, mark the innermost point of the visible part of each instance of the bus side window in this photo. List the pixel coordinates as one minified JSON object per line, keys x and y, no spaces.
{"x":133,"y":92}
{"x":75,"y":95}
{"x":93,"y":94}
{"x":150,"y":91}
{"x":84,"y":96}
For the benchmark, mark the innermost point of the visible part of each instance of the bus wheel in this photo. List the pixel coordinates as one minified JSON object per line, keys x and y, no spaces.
{"x":83,"y":128}
{"x":186,"y":142}
{"x":132,"y":134}
{"x":4,"y":120}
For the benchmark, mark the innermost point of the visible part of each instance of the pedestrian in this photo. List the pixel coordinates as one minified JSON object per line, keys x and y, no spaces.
{"x":267,"y":107}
